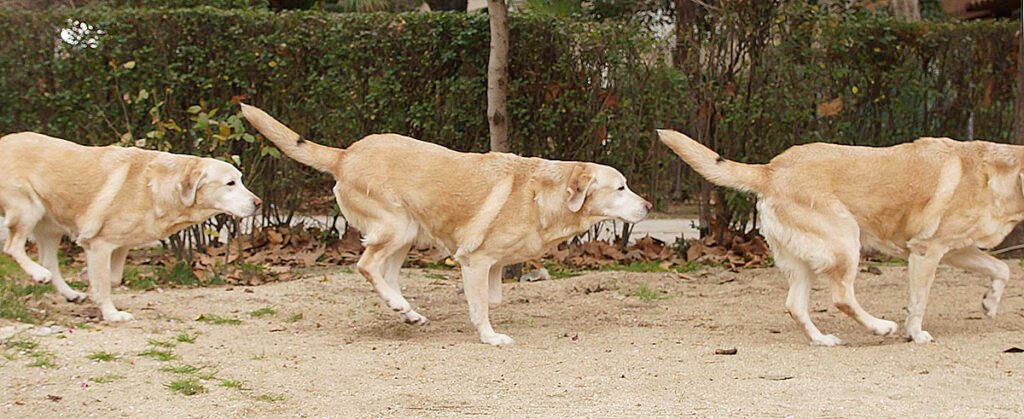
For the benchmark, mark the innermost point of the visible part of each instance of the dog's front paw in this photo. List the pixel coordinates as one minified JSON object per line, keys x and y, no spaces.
{"x":75,"y":296}
{"x":118,"y":316}
{"x":40,"y":274}
{"x":921,"y":336}
{"x":496,"y":339}
{"x":990,"y":303}
{"x":414,"y":318}
{"x":885,"y":328}
{"x":826,"y":340}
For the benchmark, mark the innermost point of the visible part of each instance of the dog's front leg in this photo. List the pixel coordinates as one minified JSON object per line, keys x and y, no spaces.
{"x":98,"y":259}
{"x":922,"y":267}
{"x":975,"y":260}
{"x":475,"y":281}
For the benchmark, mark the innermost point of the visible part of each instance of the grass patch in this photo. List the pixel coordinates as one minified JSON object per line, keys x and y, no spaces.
{"x":232,"y":384}
{"x":265,"y":311}
{"x":185,"y":337}
{"x":270,"y":397}
{"x":179,"y":274}
{"x":210,"y":375}
{"x":647,"y":266}
{"x":439,"y":265}
{"x":132,"y":279}
{"x":42,"y":359}
{"x":25,"y":345}
{"x":188,"y":386}
{"x":215,"y":319}
{"x":181,"y":369}
{"x":107,"y":378}
{"x":883,"y":259}
{"x":294,"y":318}
{"x":162,"y":343}
{"x":159,"y":355}
{"x":258,"y":357}
{"x":648,"y":294}
{"x":102,"y":356}
{"x":691,"y":266}
{"x":46,"y":363}
{"x":16,"y":290}
{"x":559,"y":272}
{"x":347,"y":270}
{"x":434,"y":276}
{"x":9,"y":268}
{"x":252,"y":269}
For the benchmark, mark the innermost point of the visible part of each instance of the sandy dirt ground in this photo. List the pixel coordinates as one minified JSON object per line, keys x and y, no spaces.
{"x":585,"y":346}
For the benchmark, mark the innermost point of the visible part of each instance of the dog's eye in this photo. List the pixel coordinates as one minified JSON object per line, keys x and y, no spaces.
{"x":622,"y":188}
{"x":232,"y":183}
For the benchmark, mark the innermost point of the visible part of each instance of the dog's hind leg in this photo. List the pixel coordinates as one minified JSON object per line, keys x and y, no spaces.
{"x":48,"y":238}
{"x":20,"y":223}
{"x":384,"y":247}
{"x":801,"y":278}
{"x":494,"y":284}
{"x":842,"y":275}
{"x":392,"y":271}
{"x":117,"y":259}
{"x":975,"y":260}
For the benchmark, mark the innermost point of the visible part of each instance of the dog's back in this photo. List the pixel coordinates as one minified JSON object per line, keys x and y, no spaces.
{"x":61,"y":176}
{"x":412,"y":174}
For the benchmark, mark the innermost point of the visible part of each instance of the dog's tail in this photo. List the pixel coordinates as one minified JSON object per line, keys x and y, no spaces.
{"x":319,"y":157}
{"x":722,"y":172}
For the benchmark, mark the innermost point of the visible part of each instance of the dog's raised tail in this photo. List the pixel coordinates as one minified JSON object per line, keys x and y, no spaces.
{"x":319,"y":157}
{"x":717,"y":170}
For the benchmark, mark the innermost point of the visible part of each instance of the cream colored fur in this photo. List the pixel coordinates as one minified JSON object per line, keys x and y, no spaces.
{"x":107,"y":199}
{"x":488,"y":210}
{"x":934,"y":200}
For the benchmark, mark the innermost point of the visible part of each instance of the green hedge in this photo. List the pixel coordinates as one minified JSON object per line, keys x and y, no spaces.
{"x":762,"y":81}
{"x":579,"y":90}
{"x":897,"y":81}
{"x":160,"y":74}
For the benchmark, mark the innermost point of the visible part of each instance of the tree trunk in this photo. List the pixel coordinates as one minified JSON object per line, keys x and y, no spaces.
{"x":685,"y":20}
{"x":497,"y":91}
{"x":497,"y":76}
{"x":909,"y":10}
{"x":1019,"y":120}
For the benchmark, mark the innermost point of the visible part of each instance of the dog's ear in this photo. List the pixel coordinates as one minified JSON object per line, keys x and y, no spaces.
{"x":189,"y":186}
{"x":580,"y":182}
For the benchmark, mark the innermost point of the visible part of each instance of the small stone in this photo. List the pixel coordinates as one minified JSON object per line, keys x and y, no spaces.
{"x":534,"y":276}
{"x":43,"y":331}
{"x":872,"y":270}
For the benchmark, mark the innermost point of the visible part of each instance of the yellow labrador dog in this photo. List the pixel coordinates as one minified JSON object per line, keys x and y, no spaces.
{"x":107,"y":199}
{"x":489,"y":210}
{"x":934,"y":200}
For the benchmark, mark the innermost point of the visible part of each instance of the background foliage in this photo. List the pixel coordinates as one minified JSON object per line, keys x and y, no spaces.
{"x":757,"y":77}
